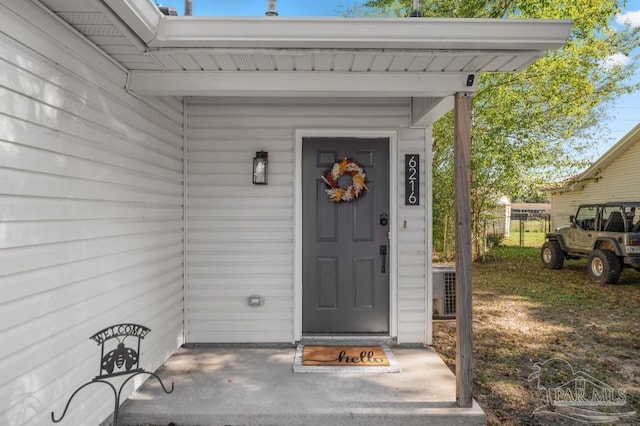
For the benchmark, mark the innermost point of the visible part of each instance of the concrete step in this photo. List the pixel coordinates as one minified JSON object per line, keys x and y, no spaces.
{"x":257,"y":386}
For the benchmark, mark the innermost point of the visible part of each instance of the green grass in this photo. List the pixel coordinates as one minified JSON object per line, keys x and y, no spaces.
{"x":524,"y":313}
{"x":530,"y":238}
{"x":505,"y":251}
{"x":522,"y":274}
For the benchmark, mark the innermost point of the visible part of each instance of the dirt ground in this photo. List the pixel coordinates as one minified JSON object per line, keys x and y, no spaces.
{"x":524,"y":314}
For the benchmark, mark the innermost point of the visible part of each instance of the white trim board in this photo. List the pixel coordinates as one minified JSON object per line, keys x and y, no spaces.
{"x":428,"y":238}
{"x":392,"y":135}
{"x":298,"y":84}
{"x":185,"y":217}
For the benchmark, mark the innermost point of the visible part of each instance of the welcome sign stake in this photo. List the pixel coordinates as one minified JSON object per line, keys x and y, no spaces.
{"x":119,"y":360}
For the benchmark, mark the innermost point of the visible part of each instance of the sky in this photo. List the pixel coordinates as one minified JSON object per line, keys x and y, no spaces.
{"x":286,"y":8}
{"x":625,"y":112}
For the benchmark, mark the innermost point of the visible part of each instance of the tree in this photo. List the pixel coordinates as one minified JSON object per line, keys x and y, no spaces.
{"x":535,"y":127}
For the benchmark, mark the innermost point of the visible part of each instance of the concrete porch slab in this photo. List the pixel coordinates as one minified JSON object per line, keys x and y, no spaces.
{"x":257,"y":386}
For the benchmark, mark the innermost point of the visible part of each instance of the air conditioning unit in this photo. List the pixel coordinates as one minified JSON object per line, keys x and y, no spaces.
{"x":444,"y":291}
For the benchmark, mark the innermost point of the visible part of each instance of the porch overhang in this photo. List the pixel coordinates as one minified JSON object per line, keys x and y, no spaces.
{"x":296,"y":84}
{"x":425,"y":60}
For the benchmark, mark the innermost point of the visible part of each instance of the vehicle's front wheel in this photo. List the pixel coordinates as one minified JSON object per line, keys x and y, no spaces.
{"x":604,"y":267}
{"x":552,"y":255}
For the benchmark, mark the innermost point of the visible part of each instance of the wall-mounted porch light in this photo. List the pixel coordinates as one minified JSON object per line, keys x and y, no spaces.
{"x":260,"y":168}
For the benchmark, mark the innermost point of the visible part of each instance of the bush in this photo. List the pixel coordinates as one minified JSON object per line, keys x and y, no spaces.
{"x":494,"y":240}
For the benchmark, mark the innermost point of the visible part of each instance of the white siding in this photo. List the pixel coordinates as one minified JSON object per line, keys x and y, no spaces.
{"x":241,"y":236}
{"x":617,"y":182}
{"x":90,"y":218}
{"x":412,"y":258}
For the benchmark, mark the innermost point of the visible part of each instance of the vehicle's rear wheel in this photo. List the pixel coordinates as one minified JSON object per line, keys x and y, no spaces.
{"x":552,"y":255}
{"x":604,"y":267}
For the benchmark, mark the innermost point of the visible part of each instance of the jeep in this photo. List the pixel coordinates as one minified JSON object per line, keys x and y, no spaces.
{"x":607,"y":234}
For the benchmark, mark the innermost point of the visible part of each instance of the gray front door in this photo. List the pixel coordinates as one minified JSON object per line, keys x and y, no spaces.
{"x":345,"y":247}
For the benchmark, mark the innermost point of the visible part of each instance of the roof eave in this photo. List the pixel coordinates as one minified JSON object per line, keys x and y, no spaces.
{"x":353,"y":33}
{"x":142,"y":17}
{"x":158,"y":30}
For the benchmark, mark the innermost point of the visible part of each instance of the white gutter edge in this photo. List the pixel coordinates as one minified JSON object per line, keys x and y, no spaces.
{"x":157,"y":30}
{"x":352,"y":33}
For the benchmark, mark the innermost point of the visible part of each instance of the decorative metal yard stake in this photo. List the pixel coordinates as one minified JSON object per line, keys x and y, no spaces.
{"x":120,"y":360}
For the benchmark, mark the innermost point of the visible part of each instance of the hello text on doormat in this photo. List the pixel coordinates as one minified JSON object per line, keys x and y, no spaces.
{"x":356,"y":356}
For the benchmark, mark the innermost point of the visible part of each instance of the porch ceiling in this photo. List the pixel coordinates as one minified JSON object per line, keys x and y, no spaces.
{"x":429,"y":58}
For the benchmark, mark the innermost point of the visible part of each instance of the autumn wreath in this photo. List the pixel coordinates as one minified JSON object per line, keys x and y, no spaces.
{"x":349,"y":167}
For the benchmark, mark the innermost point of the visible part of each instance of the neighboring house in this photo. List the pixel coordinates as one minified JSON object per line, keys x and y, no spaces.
{"x":612,"y":177}
{"x":126,"y":148}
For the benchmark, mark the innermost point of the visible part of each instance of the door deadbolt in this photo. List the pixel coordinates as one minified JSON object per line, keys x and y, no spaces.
{"x":384,"y":219}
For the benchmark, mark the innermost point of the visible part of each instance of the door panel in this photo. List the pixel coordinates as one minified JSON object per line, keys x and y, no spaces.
{"x":345,"y":285}
{"x":363,"y":217}
{"x":327,"y":284}
{"x":327,"y":228}
{"x":364,"y":279}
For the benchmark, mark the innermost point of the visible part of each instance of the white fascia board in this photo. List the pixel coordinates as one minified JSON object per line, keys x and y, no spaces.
{"x":142,"y":16}
{"x":295,"y":84}
{"x":361,"y":33}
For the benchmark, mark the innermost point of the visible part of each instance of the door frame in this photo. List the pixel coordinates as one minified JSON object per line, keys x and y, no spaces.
{"x":392,"y":136}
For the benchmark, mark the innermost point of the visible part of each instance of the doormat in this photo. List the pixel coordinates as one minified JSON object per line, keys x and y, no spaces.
{"x":345,"y":359}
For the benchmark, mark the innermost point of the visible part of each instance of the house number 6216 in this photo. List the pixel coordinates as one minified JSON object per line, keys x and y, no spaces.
{"x":412,"y":179}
